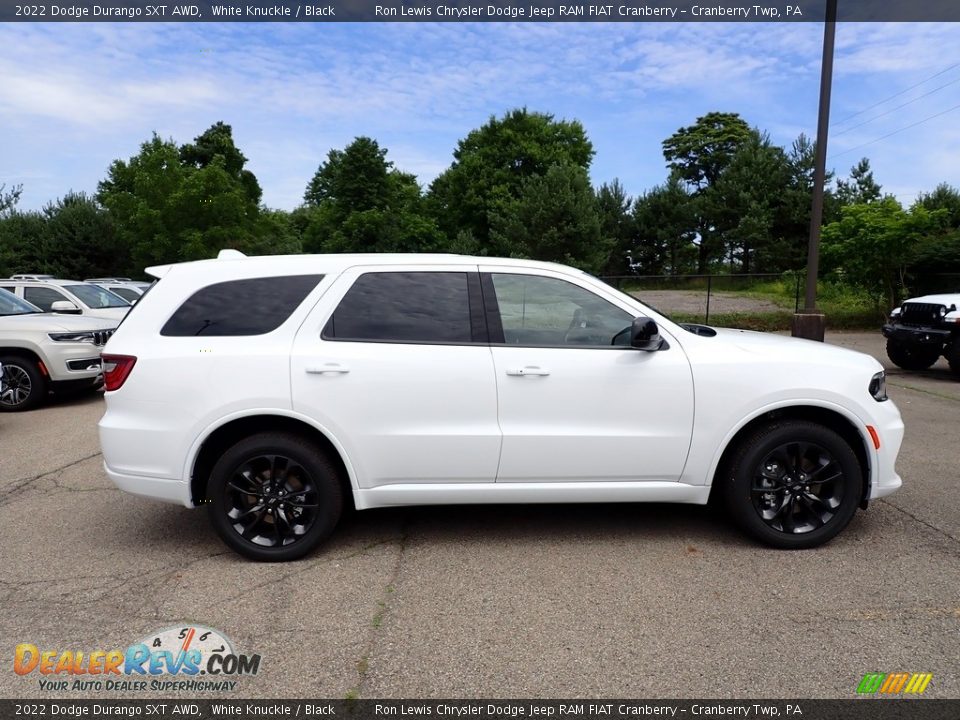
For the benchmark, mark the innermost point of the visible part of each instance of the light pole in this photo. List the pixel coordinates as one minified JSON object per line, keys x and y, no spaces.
{"x":810,"y":323}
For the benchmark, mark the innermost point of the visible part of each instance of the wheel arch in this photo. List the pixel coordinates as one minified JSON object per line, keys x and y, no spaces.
{"x":28,"y":354}
{"x":837,"y":421}
{"x":219,"y":438}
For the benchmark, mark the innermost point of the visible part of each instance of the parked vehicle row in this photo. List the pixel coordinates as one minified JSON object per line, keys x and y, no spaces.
{"x":276,"y":390}
{"x":42,"y":352}
{"x":69,"y":297}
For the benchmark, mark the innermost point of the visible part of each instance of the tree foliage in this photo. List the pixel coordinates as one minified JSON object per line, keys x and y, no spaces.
{"x":493,"y":163}
{"x":358,"y":202}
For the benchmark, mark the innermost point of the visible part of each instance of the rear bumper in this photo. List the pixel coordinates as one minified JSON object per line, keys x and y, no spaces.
{"x":172,"y":491}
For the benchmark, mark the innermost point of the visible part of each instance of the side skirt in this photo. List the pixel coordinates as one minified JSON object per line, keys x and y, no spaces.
{"x":506,"y":493}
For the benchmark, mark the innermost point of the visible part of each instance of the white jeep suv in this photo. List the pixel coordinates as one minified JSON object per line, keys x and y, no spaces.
{"x":41,"y":351}
{"x":69,"y":297}
{"x":275,"y":390}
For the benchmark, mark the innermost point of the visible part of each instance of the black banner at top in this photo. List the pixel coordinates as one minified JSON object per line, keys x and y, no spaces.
{"x":772,"y":11}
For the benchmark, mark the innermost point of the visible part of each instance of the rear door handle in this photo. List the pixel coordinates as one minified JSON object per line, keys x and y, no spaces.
{"x":327,"y":368}
{"x":528,"y":370}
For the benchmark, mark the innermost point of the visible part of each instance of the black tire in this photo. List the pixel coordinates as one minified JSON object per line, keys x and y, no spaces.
{"x":912,"y":357}
{"x":274,"y":497}
{"x":768,"y":488}
{"x":24,"y":387}
{"x":952,"y":354}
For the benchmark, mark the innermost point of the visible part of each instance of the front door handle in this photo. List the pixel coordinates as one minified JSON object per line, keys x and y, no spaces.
{"x":528,"y":370}
{"x":327,"y":368}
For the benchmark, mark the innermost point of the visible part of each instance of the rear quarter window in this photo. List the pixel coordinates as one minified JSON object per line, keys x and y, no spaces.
{"x":253,"y":306}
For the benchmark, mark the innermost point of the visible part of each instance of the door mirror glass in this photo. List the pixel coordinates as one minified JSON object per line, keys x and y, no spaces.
{"x":645,"y":335}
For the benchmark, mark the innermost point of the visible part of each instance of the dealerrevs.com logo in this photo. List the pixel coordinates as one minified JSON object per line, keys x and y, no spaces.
{"x":187,"y":657}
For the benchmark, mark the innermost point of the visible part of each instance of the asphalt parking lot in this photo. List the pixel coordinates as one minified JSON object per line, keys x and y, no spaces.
{"x":496,"y":602}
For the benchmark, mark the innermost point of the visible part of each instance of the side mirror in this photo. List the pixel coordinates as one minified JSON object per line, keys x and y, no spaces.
{"x":65,"y":306}
{"x":645,"y":335}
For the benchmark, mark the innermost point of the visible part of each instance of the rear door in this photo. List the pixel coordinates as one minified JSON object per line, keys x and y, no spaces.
{"x":576,"y":403}
{"x":394,"y":363}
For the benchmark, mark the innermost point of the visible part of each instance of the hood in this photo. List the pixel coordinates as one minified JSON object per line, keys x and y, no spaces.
{"x":53,"y":322}
{"x":946,"y":299}
{"x":115,"y":314}
{"x":791,"y":349}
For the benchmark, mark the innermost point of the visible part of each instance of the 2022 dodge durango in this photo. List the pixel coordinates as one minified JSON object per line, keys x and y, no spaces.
{"x":275,"y":391}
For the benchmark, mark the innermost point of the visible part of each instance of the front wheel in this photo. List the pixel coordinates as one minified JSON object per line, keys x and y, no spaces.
{"x":22,"y":386}
{"x":912,"y":357}
{"x":953,"y":357}
{"x":274,"y":497}
{"x":794,"y":484}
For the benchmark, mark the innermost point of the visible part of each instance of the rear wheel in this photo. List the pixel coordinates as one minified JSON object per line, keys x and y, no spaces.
{"x":912,"y":357}
{"x":274,"y":497}
{"x":793,"y":485}
{"x":23,"y":386}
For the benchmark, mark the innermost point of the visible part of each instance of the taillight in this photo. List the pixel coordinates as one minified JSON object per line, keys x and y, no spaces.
{"x":116,"y":369}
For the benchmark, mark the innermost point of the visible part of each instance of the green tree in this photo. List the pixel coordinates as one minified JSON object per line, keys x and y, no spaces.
{"x":699,"y":154}
{"x":747,"y":201}
{"x":171,"y":206}
{"x":23,"y":243}
{"x":358,"y":202}
{"x":860,"y":187}
{"x":874,"y":243}
{"x":665,"y":221}
{"x":217,"y":142}
{"x":80,"y":240}
{"x":554,"y":218}
{"x":9,"y":198}
{"x":944,"y":197}
{"x":492,"y":164}
{"x":617,"y":226}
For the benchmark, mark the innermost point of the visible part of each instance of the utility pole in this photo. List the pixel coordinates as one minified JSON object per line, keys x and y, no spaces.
{"x":810,"y":323}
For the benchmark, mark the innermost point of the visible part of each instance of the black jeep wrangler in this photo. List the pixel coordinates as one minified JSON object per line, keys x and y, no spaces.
{"x":923,"y":329}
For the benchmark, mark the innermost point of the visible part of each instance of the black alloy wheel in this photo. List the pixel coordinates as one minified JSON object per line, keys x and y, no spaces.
{"x":793,"y":484}
{"x":274,"y":497}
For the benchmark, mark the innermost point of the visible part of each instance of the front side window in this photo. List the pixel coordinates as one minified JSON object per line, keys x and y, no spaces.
{"x":44,"y":297}
{"x":96,"y":297}
{"x":254,"y":306}
{"x":131,"y":296}
{"x":537,"y":310}
{"x":404,"y":307}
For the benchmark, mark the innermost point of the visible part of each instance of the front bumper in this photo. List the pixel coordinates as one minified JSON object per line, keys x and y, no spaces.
{"x":916,"y":334}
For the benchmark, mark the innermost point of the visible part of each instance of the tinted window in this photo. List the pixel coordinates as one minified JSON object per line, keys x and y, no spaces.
{"x":43,"y":297}
{"x":404,"y":307}
{"x":131,"y":296}
{"x":10,"y":304}
{"x":240,"y":307}
{"x":96,"y":297}
{"x":538,"y":310}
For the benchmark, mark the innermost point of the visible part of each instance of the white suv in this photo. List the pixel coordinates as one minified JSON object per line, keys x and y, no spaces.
{"x":69,"y":297}
{"x":41,"y":351}
{"x":275,"y":390}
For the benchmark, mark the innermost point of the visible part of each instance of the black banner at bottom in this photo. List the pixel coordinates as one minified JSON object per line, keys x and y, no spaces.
{"x":854,"y":709}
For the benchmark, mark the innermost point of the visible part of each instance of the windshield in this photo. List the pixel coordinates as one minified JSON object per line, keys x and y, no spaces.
{"x":96,"y":297}
{"x":10,"y":304}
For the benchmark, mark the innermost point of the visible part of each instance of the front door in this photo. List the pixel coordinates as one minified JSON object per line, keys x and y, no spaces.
{"x":576,"y":403}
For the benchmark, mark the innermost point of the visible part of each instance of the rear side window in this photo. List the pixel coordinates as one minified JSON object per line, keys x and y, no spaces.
{"x":42,"y":297}
{"x":414,"y":307}
{"x":240,"y":307}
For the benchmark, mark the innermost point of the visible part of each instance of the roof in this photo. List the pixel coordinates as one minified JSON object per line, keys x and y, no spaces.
{"x":326,"y":263}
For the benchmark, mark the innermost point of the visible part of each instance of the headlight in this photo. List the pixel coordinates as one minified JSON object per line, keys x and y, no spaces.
{"x":95,"y":337}
{"x":71,"y":337}
{"x":878,"y":386}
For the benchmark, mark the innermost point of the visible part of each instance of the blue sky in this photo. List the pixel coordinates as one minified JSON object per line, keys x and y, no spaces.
{"x":73,"y":97}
